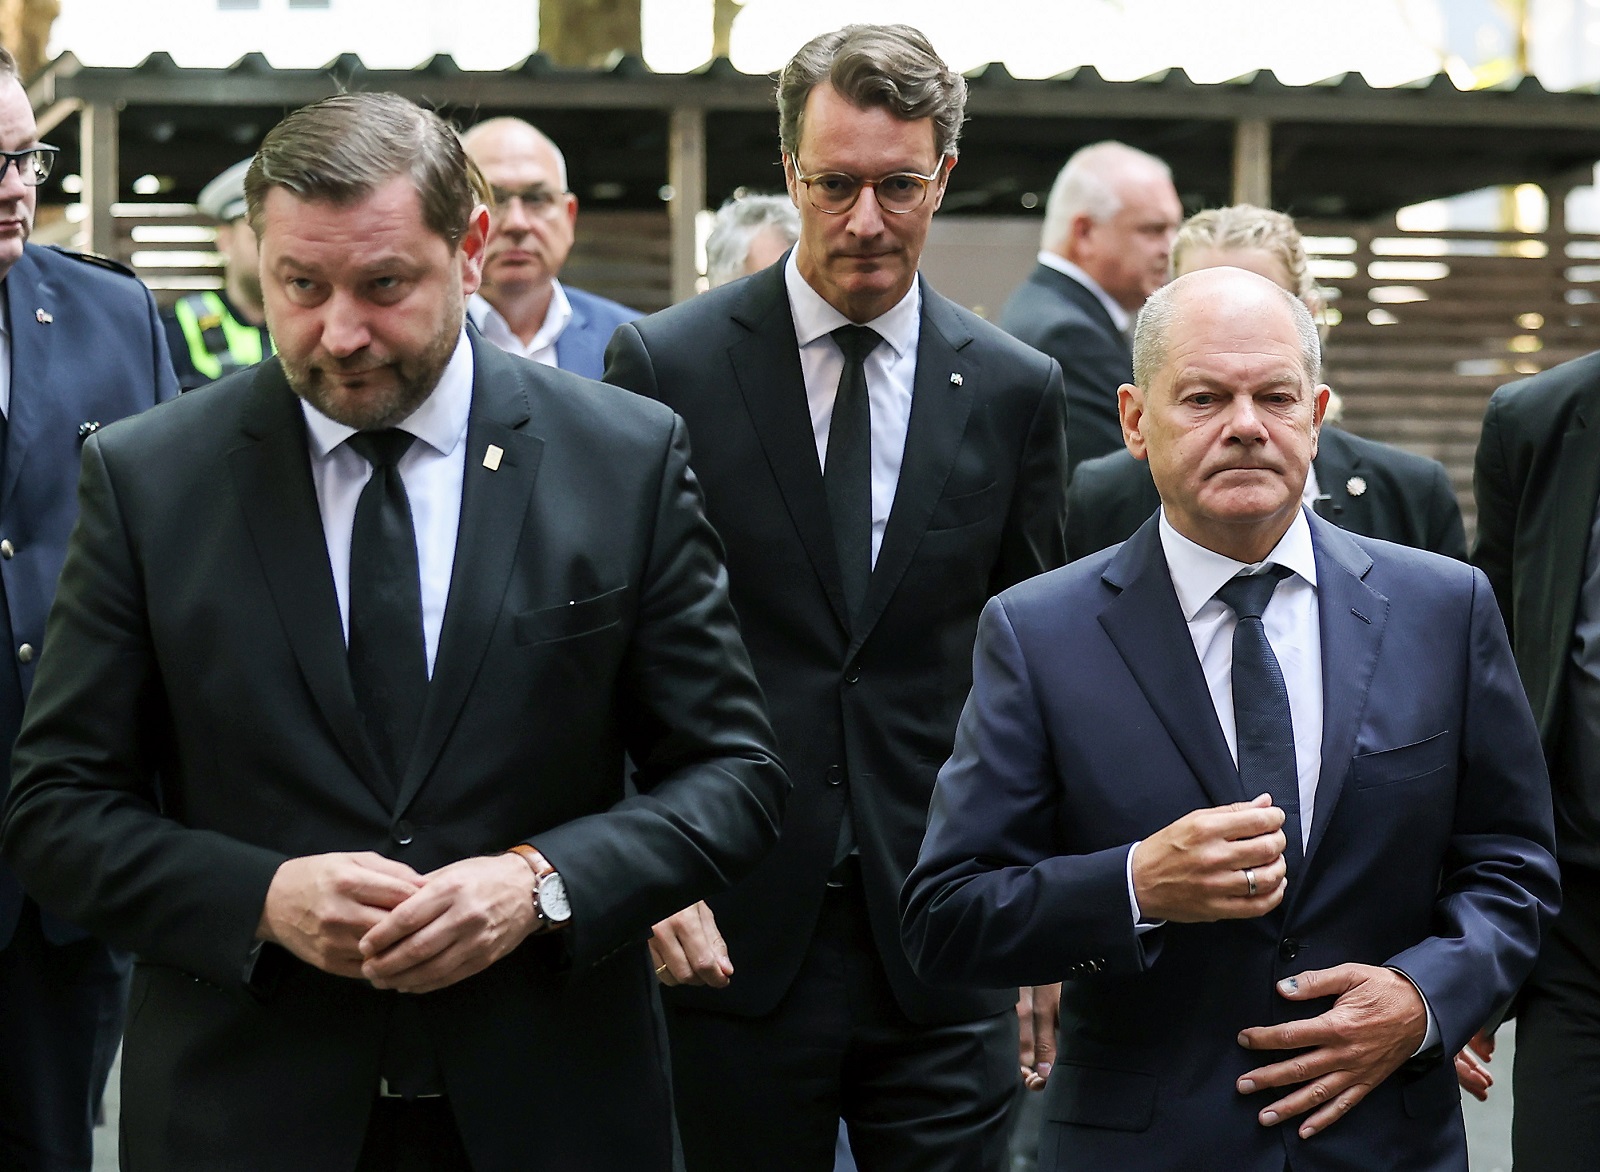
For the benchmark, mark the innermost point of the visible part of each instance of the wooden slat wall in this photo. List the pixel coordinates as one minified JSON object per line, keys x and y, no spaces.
{"x":1418,"y":373}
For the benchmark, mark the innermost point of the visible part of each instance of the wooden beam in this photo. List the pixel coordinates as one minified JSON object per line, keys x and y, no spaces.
{"x":686,"y":174}
{"x":98,"y":141}
{"x":1252,"y":162}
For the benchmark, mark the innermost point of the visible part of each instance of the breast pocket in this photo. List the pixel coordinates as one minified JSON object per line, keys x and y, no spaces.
{"x":581,"y":616}
{"x":1405,"y":763}
{"x":952,"y":512}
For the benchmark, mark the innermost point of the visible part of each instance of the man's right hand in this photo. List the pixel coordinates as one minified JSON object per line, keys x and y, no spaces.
{"x":320,"y":906}
{"x":687,"y":949}
{"x":1193,"y":871}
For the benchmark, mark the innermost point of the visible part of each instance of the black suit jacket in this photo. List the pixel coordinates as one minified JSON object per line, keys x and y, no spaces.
{"x":1402,"y":497}
{"x":1053,"y":313}
{"x":197,"y":639}
{"x":978,"y":507}
{"x":1537,"y":478}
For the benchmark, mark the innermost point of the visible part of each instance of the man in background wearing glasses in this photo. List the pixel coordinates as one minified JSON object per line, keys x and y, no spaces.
{"x":80,"y":346}
{"x":878,"y":462}
{"x":521,"y":306}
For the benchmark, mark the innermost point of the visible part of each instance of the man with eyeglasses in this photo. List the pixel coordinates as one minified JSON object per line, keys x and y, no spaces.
{"x":80,"y":347}
{"x":521,"y":306}
{"x":878,"y":462}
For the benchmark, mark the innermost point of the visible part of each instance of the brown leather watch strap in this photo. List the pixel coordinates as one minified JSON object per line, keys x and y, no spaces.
{"x":541,"y":866}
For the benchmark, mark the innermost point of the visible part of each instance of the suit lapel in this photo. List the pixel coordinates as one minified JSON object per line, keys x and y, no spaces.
{"x":1147,"y":627}
{"x":1351,"y":619}
{"x":573,"y":339}
{"x":1083,"y":297}
{"x":272,"y":473}
{"x":28,"y":290}
{"x":1576,"y":488}
{"x":766,"y":364}
{"x":941,"y":400}
{"x":493,"y":505}
{"x":1336,"y":465}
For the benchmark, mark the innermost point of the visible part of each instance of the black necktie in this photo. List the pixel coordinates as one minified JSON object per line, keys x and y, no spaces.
{"x":848,"y":474}
{"x":388,"y":661}
{"x":1261,"y":705}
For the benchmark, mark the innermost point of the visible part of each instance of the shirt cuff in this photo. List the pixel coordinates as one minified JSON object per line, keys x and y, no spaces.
{"x":1431,"y":1038}
{"x":1140,"y":924}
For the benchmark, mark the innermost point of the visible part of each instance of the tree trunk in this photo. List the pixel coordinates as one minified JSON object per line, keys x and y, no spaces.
{"x":722,"y":18}
{"x":25,"y":30}
{"x":588,"y":32}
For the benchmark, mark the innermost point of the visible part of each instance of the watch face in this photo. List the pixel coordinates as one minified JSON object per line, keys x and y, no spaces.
{"x":553,"y":904}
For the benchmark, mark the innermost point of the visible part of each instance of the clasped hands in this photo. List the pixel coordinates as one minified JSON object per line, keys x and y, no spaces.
{"x":367,"y":917}
{"x":1194,"y":871}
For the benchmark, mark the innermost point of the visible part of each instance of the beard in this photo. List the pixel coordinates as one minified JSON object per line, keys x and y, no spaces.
{"x":390,"y":389}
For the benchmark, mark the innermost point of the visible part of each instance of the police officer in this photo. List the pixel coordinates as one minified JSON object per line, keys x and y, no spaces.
{"x":213,"y":333}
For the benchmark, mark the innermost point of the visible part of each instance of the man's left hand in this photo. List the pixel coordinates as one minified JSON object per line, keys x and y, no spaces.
{"x":465,"y":917}
{"x":1376,"y":1024}
{"x":1038,"y":1015}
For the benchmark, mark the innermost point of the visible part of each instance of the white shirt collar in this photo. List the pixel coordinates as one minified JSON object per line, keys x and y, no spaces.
{"x":1198,"y":573}
{"x":489,"y":320}
{"x":1120,"y":317}
{"x":440,"y":422}
{"x":814,"y":317}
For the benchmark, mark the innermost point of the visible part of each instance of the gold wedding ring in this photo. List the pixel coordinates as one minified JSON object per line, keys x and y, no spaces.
{"x":663,"y":968}
{"x":1249,"y":879}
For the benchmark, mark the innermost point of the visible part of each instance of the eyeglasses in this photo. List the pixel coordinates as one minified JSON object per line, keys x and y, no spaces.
{"x":33,"y":165}
{"x":835,"y":193}
{"x":538,"y":200}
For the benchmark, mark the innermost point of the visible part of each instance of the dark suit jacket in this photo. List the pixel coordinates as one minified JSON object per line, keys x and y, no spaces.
{"x":1537,"y":479}
{"x":1090,"y":726}
{"x":581,"y":347}
{"x":86,"y":349}
{"x":1053,"y":313}
{"x":197,"y":638}
{"x":978,"y":508}
{"x":1404,"y":498}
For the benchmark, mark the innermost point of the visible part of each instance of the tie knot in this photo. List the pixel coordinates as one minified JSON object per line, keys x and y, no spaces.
{"x":1248,"y":594}
{"x":856,"y":341}
{"x":381,"y":448}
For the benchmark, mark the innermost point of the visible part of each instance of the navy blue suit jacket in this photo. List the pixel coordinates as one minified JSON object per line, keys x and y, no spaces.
{"x":581,"y":347}
{"x":86,"y":349}
{"x":1089,"y":727}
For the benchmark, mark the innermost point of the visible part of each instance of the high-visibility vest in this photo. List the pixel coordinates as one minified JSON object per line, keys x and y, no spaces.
{"x":218,"y":344}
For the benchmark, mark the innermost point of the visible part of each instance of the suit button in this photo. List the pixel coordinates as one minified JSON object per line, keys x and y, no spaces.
{"x":7,"y":550}
{"x":835,"y":775}
{"x":25,"y":653}
{"x":401,"y":832}
{"x":852,"y":673}
{"x":1288,"y":949}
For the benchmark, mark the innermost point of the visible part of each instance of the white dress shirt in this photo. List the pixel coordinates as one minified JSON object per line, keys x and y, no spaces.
{"x":542,"y":346}
{"x":433,"y":470}
{"x":1120,"y":317}
{"x":891,"y":373}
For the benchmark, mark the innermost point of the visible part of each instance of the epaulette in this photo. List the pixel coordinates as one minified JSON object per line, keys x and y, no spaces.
{"x":94,"y":258}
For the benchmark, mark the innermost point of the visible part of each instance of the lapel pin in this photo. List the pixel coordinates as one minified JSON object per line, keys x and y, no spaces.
{"x":43,"y":316}
{"x":491,"y":458}
{"x":1355,"y":486}
{"x":85,"y":430}
{"x":955,"y":379}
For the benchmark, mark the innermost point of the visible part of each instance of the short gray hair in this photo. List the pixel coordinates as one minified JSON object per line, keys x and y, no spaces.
{"x":1161,"y":310}
{"x":344,"y":148}
{"x":1085,"y":186}
{"x":738,"y":223}
{"x":888,"y":65}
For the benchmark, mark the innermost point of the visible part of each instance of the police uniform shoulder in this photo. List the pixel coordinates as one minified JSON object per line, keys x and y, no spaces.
{"x":94,"y":258}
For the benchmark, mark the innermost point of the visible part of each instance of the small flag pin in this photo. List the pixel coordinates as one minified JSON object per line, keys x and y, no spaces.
{"x":1355,"y":486}
{"x":491,"y":458}
{"x":955,"y":379}
{"x":43,"y":316}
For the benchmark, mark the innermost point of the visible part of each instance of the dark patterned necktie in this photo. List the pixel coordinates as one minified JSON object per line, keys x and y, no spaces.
{"x":847,"y":475}
{"x":1264,"y":730}
{"x":388,"y":660}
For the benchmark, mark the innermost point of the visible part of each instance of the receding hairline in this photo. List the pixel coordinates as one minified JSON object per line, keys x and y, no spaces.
{"x":509,"y":129}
